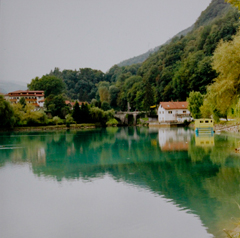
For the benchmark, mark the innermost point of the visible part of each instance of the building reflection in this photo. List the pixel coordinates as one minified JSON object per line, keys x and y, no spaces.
{"x":204,"y":139}
{"x":174,"y":139}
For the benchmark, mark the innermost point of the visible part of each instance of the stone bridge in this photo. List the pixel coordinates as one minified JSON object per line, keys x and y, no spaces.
{"x":123,"y":116}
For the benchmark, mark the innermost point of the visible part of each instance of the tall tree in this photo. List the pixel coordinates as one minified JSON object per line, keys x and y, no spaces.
{"x":195,"y":101}
{"x":7,"y":118}
{"x":226,"y":88}
{"x":76,"y":112}
{"x":148,"y":96}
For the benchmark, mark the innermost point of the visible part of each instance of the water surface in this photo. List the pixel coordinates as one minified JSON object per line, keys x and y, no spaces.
{"x":118,"y":182}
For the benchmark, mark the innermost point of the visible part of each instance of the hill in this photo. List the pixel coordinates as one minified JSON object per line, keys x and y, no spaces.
{"x":6,"y":87}
{"x":216,"y":9}
{"x":141,"y":58}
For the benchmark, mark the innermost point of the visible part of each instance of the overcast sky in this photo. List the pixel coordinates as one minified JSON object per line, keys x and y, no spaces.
{"x":39,"y":35}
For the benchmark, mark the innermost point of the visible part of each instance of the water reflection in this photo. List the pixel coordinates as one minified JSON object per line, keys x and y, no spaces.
{"x":198,"y":173}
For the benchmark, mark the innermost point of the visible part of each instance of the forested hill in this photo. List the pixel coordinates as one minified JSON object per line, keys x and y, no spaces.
{"x":177,"y":68}
{"x":141,"y":58}
{"x":216,"y":9}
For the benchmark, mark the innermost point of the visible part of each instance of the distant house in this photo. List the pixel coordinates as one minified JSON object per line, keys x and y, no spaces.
{"x":173,"y":112}
{"x":71,"y":104}
{"x":34,"y":97}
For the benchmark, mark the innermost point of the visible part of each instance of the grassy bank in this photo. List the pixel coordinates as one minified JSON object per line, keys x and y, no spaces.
{"x":55,"y":127}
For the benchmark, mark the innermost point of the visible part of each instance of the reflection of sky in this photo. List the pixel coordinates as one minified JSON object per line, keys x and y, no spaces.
{"x":39,"y":207}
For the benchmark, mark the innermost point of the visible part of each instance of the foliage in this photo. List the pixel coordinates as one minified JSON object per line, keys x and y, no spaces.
{"x":49,"y":83}
{"x":235,"y":3}
{"x":148,"y":96}
{"x":22,"y":101}
{"x":68,"y":119}
{"x":28,"y":116}
{"x":224,"y":92}
{"x":105,"y":106}
{"x":7,"y":118}
{"x":112,"y":122}
{"x":80,"y":84}
{"x":98,"y":115}
{"x":76,"y":114}
{"x":57,"y":120}
{"x":56,"y":105}
{"x":103,"y":90}
{"x":195,"y":101}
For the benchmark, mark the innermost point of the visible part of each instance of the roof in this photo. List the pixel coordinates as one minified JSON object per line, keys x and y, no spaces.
{"x":26,"y":91}
{"x":174,"y":105}
{"x":68,"y":102}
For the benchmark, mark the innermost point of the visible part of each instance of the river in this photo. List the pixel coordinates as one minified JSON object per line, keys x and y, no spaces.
{"x":118,"y":183}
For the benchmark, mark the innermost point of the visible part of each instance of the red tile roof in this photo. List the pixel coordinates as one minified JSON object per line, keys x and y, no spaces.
{"x":174,"y":105}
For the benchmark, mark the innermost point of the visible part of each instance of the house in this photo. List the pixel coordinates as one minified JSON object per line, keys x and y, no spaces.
{"x":34,"y":97}
{"x":173,"y":112}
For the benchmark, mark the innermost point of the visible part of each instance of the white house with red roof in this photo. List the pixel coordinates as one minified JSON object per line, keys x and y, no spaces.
{"x":34,"y":97}
{"x":173,"y":112}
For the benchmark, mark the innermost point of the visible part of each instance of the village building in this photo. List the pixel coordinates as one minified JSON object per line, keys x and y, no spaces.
{"x":34,"y":97}
{"x":173,"y":112}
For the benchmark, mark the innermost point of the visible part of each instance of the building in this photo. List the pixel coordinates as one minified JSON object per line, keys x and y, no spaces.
{"x":34,"y":97}
{"x":173,"y":112}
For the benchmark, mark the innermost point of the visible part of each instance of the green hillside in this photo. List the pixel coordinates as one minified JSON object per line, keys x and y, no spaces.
{"x":171,"y":73}
{"x":141,"y":58}
{"x":216,"y":9}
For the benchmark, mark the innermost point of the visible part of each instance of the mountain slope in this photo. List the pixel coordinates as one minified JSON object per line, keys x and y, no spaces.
{"x":141,"y":58}
{"x":216,"y":9}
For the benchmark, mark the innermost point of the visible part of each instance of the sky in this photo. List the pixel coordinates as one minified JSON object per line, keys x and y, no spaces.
{"x":38,"y":35}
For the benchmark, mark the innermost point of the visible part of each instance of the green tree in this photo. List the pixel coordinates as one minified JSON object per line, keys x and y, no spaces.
{"x":56,"y":104}
{"x":22,"y":101}
{"x":105,"y":106}
{"x":76,"y":114}
{"x":7,"y":118}
{"x":149,"y":99}
{"x":235,"y":3}
{"x":224,"y":92}
{"x":195,"y":101}
{"x":50,"y":84}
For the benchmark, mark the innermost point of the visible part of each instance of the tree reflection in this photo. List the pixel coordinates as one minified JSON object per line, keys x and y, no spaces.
{"x":202,"y":179}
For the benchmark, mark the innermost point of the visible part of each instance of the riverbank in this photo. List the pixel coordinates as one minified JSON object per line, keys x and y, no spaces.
{"x":54,"y":127}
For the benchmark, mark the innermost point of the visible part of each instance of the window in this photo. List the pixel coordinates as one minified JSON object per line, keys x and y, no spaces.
{"x":159,"y":112}
{"x":201,"y":121}
{"x":169,"y":112}
{"x":163,"y":112}
{"x":206,"y":121}
{"x":184,"y":111}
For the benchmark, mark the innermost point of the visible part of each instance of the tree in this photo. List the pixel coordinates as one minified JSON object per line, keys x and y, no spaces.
{"x":50,"y":84}
{"x":148,"y":97}
{"x":224,"y":92}
{"x":76,"y":112}
{"x":56,"y":104}
{"x":103,"y":89}
{"x":105,"y":106}
{"x":195,"y":101}
{"x":235,"y":3}
{"x":22,"y":101}
{"x":7,"y":118}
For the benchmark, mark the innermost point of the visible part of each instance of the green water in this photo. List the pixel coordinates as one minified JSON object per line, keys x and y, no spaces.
{"x":118,"y":183}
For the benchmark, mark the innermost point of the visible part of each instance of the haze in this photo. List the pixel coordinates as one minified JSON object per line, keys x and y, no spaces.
{"x":37,"y":36}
